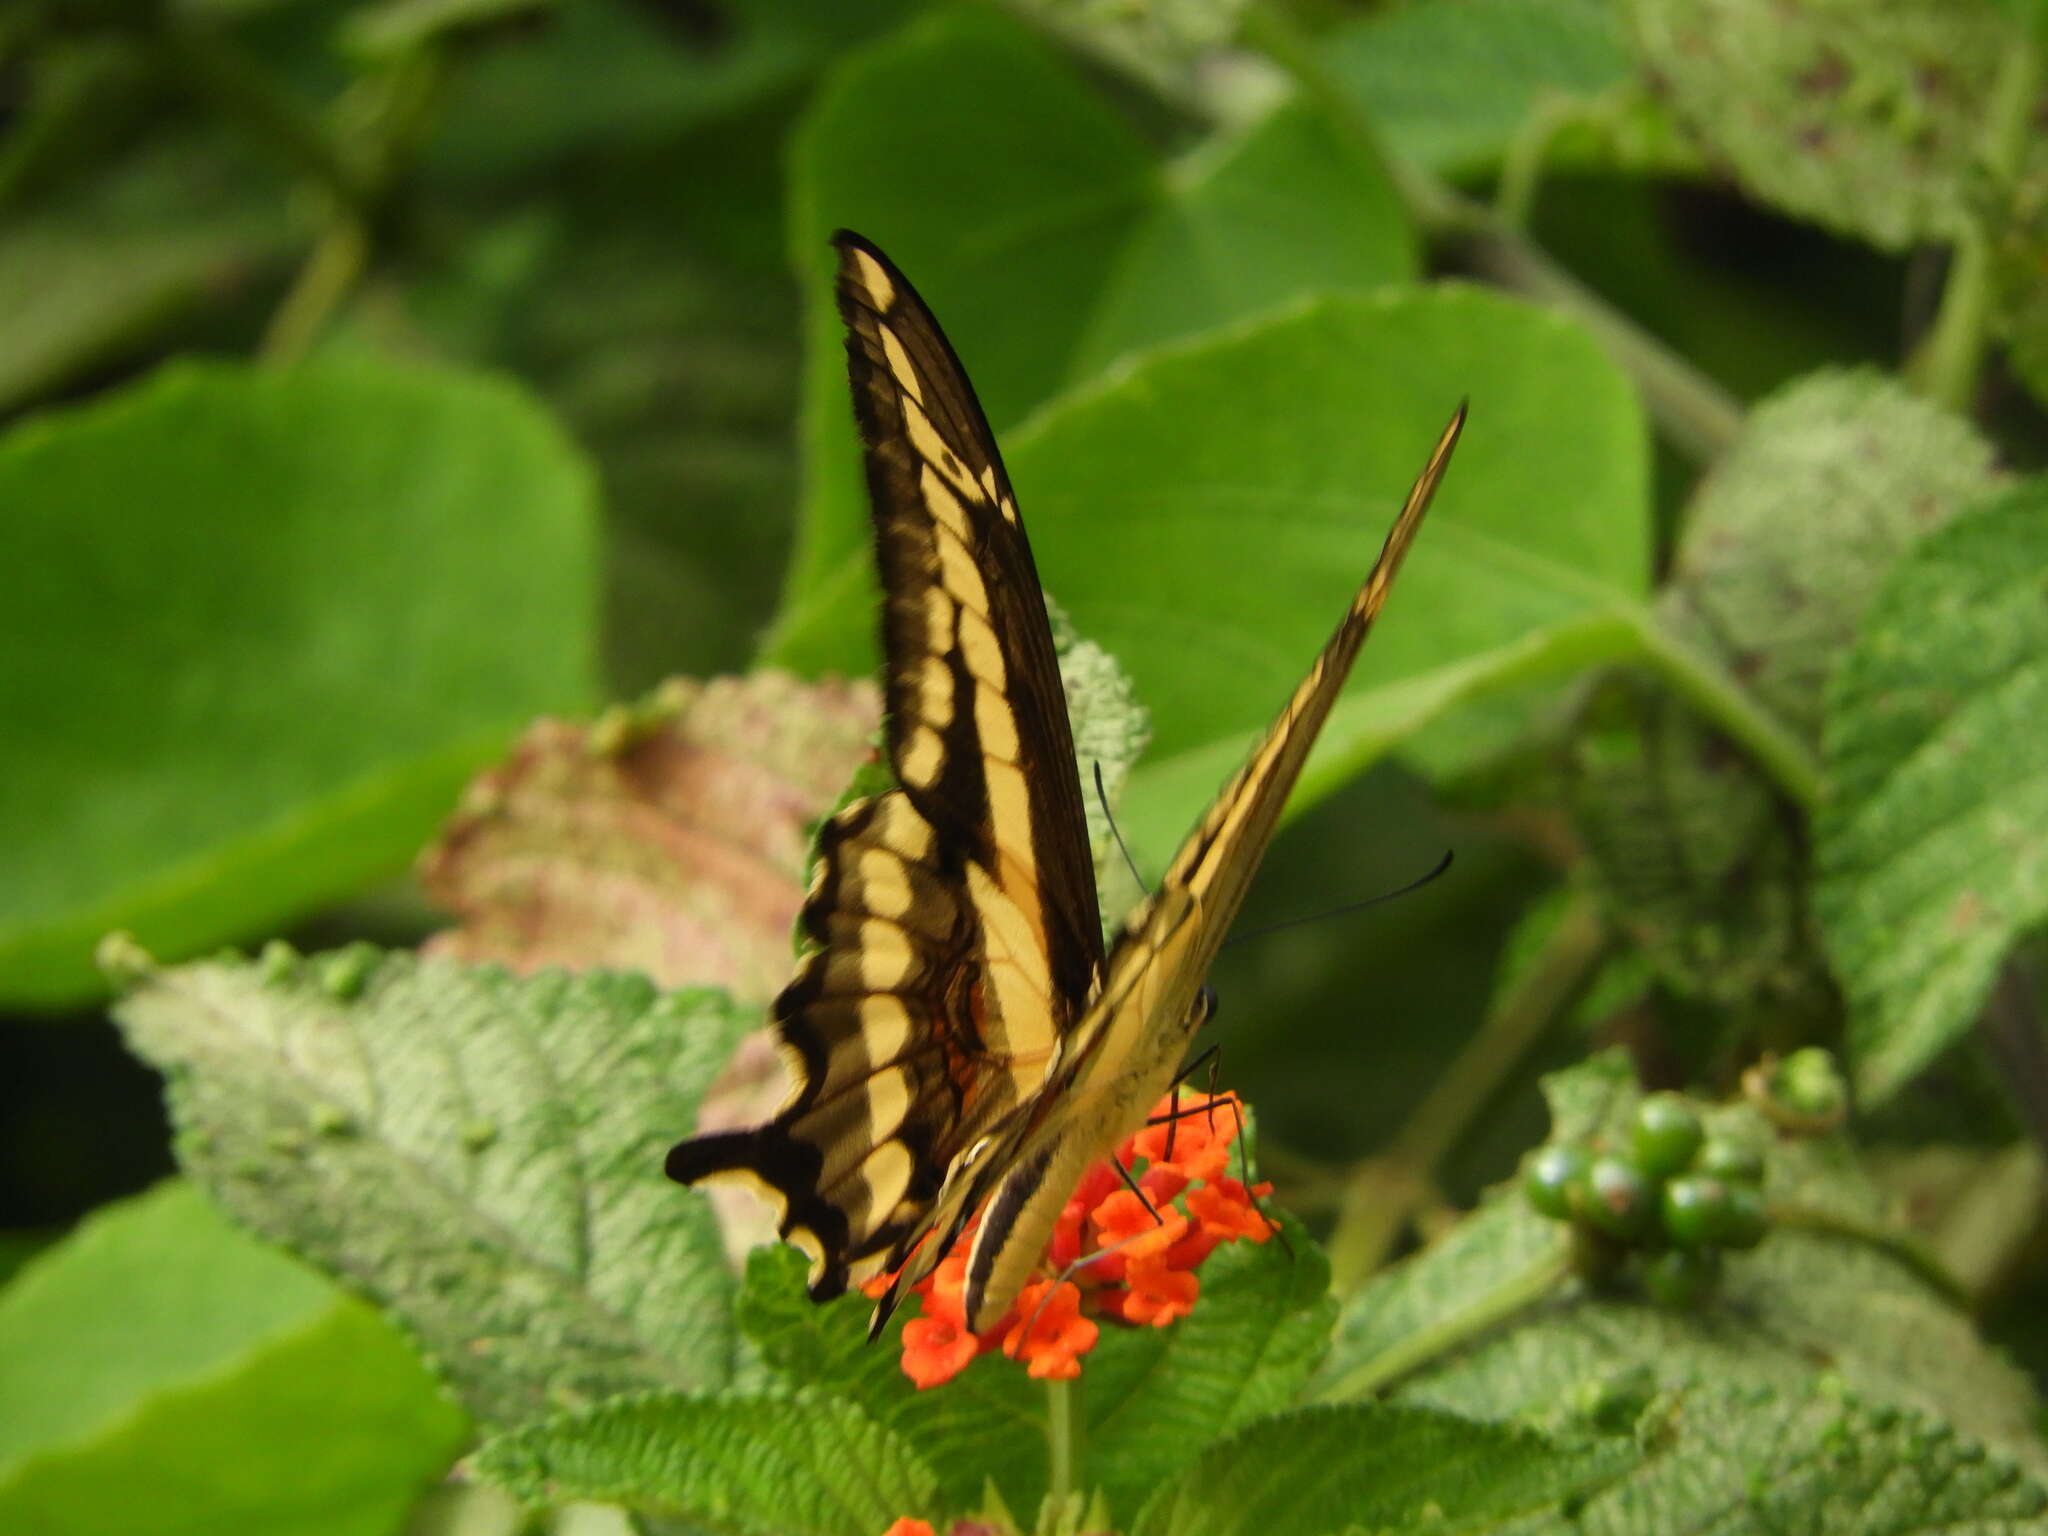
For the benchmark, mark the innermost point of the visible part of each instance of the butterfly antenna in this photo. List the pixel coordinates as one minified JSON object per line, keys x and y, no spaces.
{"x":1412,"y":886}
{"x":1102,"y":797}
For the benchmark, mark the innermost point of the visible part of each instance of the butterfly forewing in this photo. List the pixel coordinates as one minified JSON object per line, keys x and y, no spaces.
{"x":953,"y":927}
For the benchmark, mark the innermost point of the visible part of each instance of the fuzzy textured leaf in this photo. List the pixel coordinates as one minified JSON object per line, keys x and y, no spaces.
{"x":158,"y":1345}
{"x":479,"y":1154}
{"x":806,"y":1465}
{"x":1785,"y":544}
{"x":278,"y":618}
{"x":1932,"y":851}
{"x":1383,"y":1467}
{"x":1865,"y":115}
{"x":1156,"y":1396}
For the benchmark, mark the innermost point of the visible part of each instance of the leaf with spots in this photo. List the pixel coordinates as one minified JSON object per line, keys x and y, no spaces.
{"x":1932,"y":850}
{"x":477,"y":1153}
{"x":1695,"y":854}
{"x":1869,"y":118}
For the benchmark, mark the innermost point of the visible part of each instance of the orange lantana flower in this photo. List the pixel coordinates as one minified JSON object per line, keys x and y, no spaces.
{"x":1112,"y":1255}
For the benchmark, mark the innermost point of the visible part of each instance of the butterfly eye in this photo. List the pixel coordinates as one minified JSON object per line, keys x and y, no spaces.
{"x":1203,"y":1013}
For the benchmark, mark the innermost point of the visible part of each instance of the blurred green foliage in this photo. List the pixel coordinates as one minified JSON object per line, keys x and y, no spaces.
{"x":377,"y":377}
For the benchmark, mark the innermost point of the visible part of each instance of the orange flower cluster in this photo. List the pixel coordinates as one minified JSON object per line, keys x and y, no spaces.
{"x":1141,"y":1271}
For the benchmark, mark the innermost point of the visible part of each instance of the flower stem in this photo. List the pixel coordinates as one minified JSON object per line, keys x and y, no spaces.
{"x":1062,"y":1438}
{"x":1951,"y":360}
{"x":1379,"y":1372}
{"x":1731,"y":710}
{"x":1696,"y":414}
{"x":1368,"y":1219}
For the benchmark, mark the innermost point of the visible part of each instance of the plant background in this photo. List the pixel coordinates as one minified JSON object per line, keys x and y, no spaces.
{"x":574,"y":253}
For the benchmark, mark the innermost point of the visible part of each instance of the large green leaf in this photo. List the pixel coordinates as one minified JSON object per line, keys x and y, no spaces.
{"x":1785,"y":544}
{"x":158,"y":1347}
{"x":1385,"y":1468}
{"x":478,"y":1153}
{"x":1452,"y":84}
{"x":1932,"y":850}
{"x":1868,"y":117}
{"x":1207,"y":515}
{"x":275,"y":620}
{"x":803,"y":1465}
{"x":1082,"y":246}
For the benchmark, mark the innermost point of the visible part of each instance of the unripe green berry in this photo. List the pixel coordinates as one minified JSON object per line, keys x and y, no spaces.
{"x":1739,"y":1162}
{"x":1551,"y":1177}
{"x":1695,"y":1211}
{"x":1746,"y":1219}
{"x":1619,"y":1199}
{"x":1665,"y":1136}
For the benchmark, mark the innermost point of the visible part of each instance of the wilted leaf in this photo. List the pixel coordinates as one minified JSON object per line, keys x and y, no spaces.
{"x":157,"y":1346}
{"x":1867,"y":117}
{"x":478,"y":1153}
{"x":676,"y":849}
{"x":1831,"y":481}
{"x":1932,"y":851}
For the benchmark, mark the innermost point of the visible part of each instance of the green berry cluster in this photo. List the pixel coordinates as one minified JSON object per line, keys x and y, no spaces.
{"x":1675,"y":1199}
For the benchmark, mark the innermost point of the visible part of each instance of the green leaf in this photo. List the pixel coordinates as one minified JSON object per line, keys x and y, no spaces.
{"x":1815,"y":1459}
{"x":1785,"y":544}
{"x":158,"y":1347}
{"x":277,"y":620}
{"x":479,"y":1154}
{"x":92,"y":274}
{"x":1155,"y":1397}
{"x":805,"y":1465}
{"x":1383,"y":1467}
{"x":1829,"y":1284}
{"x":1223,"y":499}
{"x":1086,"y":246}
{"x":514,"y":108}
{"x":1866,"y":118}
{"x":1932,"y":850}
{"x":988,"y":1423}
{"x":1450,"y":84}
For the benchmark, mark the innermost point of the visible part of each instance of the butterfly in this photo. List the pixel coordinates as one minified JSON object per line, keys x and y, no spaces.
{"x":957,"y":1036}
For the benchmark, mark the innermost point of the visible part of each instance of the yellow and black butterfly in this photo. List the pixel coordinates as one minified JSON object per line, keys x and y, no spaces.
{"x":957,"y":1035}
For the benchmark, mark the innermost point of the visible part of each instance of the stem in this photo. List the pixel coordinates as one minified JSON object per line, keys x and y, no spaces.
{"x":330,"y":273}
{"x":1369,"y":1221}
{"x":2011,"y":1030}
{"x":1409,"y":1355}
{"x":1953,"y":357}
{"x":1723,"y":702}
{"x":1062,"y":1438}
{"x":1899,"y":1246}
{"x":239,"y":89}
{"x":1696,"y":414}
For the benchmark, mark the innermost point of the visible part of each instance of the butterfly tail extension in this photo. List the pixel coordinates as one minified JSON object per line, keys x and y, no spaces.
{"x":784,"y":1172}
